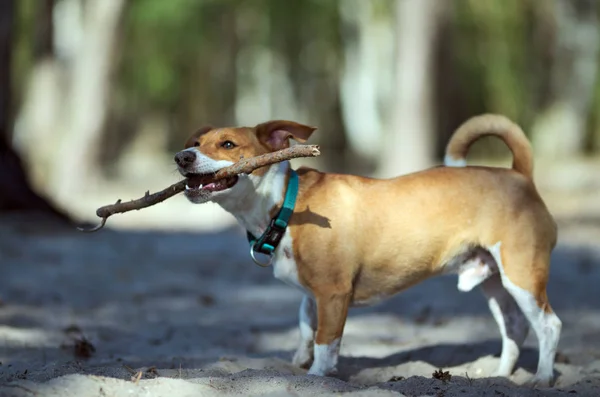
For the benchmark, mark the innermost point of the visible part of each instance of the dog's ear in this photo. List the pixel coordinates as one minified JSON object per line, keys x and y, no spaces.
{"x":194,"y":138}
{"x":276,"y":134}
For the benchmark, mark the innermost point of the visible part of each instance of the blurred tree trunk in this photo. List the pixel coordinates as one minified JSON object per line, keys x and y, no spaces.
{"x":42,"y":107}
{"x":561,"y":129}
{"x":410,"y":145}
{"x":15,"y":192}
{"x":77,"y":164}
{"x":368,"y":67}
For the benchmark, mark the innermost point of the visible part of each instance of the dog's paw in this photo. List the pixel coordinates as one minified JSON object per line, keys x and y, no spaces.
{"x":303,"y":358}
{"x":318,"y":370}
{"x":539,"y":381}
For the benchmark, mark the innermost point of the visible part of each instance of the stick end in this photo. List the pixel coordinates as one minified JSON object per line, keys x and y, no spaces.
{"x":95,"y":228}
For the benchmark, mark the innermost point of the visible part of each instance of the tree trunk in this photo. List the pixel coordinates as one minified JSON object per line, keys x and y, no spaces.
{"x":15,"y":192}
{"x":368,"y":68}
{"x":78,"y":162}
{"x":560,"y":131}
{"x":410,"y":145}
{"x":42,"y":106}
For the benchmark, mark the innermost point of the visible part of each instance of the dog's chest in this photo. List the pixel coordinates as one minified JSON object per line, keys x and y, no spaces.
{"x":284,"y":265}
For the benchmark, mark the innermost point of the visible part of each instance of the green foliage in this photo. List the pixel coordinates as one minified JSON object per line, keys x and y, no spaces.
{"x":157,"y":36}
{"x":22,"y":51}
{"x":492,"y":49}
{"x":594,"y":119}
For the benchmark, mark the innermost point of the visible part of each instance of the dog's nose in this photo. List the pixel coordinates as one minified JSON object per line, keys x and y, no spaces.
{"x":185,"y":158}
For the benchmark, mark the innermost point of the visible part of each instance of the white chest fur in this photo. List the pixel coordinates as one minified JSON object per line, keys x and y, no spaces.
{"x":251,"y":202}
{"x":284,"y":265}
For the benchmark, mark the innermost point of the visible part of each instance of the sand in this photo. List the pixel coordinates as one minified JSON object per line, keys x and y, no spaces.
{"x":184,"y":313}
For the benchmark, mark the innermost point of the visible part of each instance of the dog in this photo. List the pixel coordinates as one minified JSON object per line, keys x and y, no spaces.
{"x":353,"y":241}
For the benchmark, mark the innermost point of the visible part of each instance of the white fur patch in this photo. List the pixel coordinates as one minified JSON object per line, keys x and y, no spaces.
{"x":284,"y":265}
{"x":204,"y":164}
{"x":252,"y":197}
{"x":473,"y":273}
{"x":450,"y":161}
{"x":326,"y":358}
{"x":250,"y":201}
{"x":472,"y":267}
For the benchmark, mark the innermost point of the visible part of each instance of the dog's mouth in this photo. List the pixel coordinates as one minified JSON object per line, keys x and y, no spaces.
{"x":204,"y":183}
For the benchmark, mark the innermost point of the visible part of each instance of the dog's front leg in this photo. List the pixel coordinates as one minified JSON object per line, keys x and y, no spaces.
{"x":308,"y":325}
{"x":332,"y":310}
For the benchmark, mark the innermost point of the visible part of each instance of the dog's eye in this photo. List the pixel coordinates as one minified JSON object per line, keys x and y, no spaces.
{"x":196,"y":143}
{"x":228,"y":145}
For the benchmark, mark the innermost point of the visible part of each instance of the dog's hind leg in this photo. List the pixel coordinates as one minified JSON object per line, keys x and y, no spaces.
{"x":525,"y":275}
{"x":511,"y":321}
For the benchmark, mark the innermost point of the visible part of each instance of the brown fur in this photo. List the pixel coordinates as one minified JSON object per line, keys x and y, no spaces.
{"x":493,"y":125}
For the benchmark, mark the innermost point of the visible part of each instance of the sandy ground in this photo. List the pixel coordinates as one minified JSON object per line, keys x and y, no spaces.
{"x":186,"y":313}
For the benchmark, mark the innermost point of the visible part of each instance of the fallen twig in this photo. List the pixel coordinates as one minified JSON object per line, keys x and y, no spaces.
{"x":136,"y":378}
{"x":244,"y":166}
{"x":469,"y":379}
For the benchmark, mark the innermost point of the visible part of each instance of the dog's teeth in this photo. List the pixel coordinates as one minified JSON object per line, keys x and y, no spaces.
{"x":200,"y":187}
{"x":187,"y":187}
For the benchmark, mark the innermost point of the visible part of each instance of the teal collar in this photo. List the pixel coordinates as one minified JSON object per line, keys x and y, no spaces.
{"x":270,"y":239}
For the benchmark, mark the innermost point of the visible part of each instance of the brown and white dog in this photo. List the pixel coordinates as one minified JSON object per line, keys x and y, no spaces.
{"x":354,"y":240}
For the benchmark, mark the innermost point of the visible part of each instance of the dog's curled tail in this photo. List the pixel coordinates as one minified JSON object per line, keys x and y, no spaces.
{"x":486,"y":125}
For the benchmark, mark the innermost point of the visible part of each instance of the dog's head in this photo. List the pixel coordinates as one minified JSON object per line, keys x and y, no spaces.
{"x":210,"y":149}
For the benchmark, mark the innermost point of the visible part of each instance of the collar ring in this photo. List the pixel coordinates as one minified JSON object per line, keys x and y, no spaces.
{"x":259,"y":263}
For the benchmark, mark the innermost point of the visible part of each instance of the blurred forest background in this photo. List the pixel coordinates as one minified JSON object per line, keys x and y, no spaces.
{"x":97,"y":95}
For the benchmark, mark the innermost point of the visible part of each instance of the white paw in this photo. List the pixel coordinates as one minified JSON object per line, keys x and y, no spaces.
{"x":326,"y":358}
{"x":320,"y":371}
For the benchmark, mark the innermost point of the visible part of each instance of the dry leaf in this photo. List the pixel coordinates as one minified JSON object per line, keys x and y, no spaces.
{"x":441,"y":375}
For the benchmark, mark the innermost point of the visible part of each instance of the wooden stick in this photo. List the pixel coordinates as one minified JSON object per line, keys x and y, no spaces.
{"x":244,"y":166}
